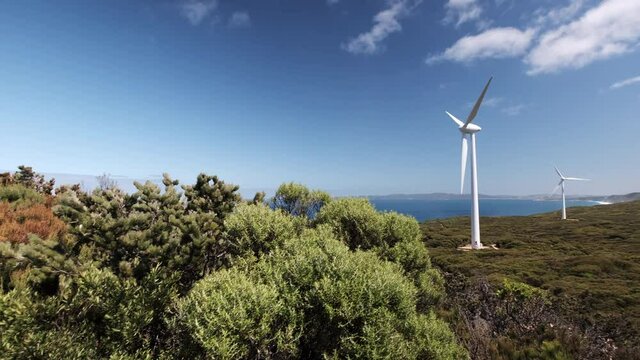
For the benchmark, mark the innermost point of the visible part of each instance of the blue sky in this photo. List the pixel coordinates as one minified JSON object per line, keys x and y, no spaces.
{"x":343,"y":95}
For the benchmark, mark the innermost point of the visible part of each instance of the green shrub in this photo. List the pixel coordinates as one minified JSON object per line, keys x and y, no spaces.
{"x":20,"y":195}
{"x":412,"y":255}
{"x":516,"y":291}
{"x":392,"y":236}
{"x":315,"y":298}
{"x":399,"y":228}
{"x":256,"y":229}
{"x":234,"y":317}
{"x":131,"y":234}
{"x":200,"y":274}
{"x":354,"y":221}
{"x":431,"y":289}
{"x":94,"y":314}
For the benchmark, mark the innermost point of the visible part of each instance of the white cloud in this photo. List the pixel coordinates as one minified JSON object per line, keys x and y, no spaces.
{"x":197,"y":10}
{"x":488,"y":102}
{"x":493,"y":43}
{"x":462,"y":11}
{"x":513,"y":110}
{"x":560,"y":15}
{"x":386,"y":22}
{"x":625,"y":82}
{"x":239,"y":19}
{"x":493,"y":101}
{"x":609,"y":29}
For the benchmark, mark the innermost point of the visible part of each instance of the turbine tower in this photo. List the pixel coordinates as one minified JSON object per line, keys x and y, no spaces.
{"x":469,"y":130}
{"x":561,"y":185}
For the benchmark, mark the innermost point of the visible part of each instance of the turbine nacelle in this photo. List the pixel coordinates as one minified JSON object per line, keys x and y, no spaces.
{"x":470,"y":129}
{"x":465,"y":128}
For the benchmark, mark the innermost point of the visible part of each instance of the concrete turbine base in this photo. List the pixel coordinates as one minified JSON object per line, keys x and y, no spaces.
{"x":469,"y":248}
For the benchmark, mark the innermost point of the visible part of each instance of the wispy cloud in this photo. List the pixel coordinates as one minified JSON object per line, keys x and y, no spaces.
{"x":197,"y":10}
{"x":386,"y":22}
{"x":488,"y":102}
{"x":611,"y":28}
{"x":513,"y":110}
{"x":625,"y":82}
{"x":493,"y":101}
{"x":559,"y":15}
{"x":501,"y":104}
{"x":462,"y":11}
{"x":493,"y":43}
{"x":239,"y":19}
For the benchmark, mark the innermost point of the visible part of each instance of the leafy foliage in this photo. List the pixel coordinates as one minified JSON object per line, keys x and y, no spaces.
{"x":94,"y":314}
{"x":29,"y":179}
{"x":314,"y":298}
{"x":161,"y":273}
{"x":131,"y":234}
{"x":392,"y":236}
{"x":298,"y":200}
{"x":253,"y":230}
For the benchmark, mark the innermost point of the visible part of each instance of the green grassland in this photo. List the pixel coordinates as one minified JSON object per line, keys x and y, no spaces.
{"x":591,"y":261}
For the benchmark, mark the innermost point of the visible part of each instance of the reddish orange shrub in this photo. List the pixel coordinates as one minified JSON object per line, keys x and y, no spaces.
{"x":17,"y":223}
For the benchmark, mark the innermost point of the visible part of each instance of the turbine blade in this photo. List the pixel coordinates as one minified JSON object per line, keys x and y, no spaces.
{"x":556,"y":188}
{"x":463,"y":162}
{"x":578,"y":179}
{"x":559,"y":173}
{"x":455,"y":119}
{"x":476,"y":107}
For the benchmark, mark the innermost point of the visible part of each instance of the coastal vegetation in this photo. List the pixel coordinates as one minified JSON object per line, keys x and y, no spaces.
{"x":196,"y":272}
{"x":586,"y":272}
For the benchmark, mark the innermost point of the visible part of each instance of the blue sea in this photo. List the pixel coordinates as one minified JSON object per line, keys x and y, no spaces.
{"x":438,"y":209}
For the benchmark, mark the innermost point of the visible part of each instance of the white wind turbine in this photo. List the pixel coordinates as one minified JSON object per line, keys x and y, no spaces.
{"x":469,"y":130}
{"x":561,"y":185}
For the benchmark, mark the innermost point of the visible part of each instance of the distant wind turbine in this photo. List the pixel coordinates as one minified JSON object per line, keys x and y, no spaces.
{"x":469,"y":130}
{"x":561,"y":185}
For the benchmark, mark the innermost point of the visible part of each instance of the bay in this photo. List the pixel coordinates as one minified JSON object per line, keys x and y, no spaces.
{"x":423,"y":209}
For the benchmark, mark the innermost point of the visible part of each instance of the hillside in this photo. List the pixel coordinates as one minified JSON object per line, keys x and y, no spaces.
{"x":614,"y":198}
{"x":590,"y":264}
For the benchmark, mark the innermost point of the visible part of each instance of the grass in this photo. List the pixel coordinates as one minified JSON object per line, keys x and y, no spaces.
{"x":591,"y":261}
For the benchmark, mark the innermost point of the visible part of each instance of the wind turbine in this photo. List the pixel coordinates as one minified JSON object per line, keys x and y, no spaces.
{"x":469,"y":130}
{"x":561,"y":185}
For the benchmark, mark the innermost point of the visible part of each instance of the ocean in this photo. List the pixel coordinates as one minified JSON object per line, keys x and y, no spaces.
{"x":437,"y":209}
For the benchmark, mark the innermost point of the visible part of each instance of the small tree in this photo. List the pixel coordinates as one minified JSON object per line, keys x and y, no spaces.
{"x":28,"y":178}
{"x":105,"y":182}
{"x":298,"y":200}
{"x":258,"y":198}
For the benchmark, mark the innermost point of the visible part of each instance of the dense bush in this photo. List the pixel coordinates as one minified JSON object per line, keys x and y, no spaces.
{"x":256,"y":229}
{"x":131,"y":234}
{"x":93,"y":315}
{"x":19,"y":195}
{"x":313,"y":298}
{"x":161,"y":273}
{"x":392,"y":236}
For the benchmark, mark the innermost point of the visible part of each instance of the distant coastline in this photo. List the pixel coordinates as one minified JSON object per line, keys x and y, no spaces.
{"x":599,"y":199}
